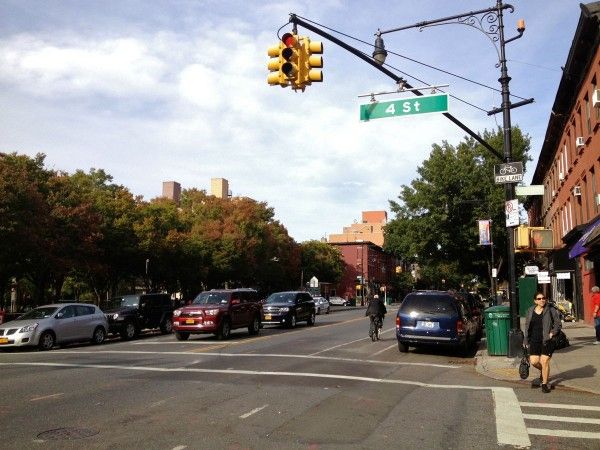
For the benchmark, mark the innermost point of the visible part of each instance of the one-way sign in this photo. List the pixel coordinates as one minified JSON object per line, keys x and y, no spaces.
{"x":508,"y":173}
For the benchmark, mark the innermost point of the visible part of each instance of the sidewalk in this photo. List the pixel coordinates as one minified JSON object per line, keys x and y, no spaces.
{"x":575,"y":367}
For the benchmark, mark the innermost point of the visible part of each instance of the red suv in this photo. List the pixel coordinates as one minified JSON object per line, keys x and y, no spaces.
{"x":219,"y":312}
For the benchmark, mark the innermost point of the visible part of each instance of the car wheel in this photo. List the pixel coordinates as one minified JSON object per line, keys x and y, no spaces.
{"x":343,"y":303}
{"x":167,"y":326}
{"x":402,"y":347}
{"x":254,"y":326}
{"x":318,"y":310}
{"x":128,"y":331}
{"x":99,"y":336}
{"x":292,"y":321}
{"x":311,"y":319}
{"x":47,"y":341}
{"x":224,"y":330}
{"x":182,"y":335}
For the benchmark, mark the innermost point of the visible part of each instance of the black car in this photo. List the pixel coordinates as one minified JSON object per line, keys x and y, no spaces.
{"x":289,"y":308}
{"x":127,"y":315}
{"x":441,"y":318}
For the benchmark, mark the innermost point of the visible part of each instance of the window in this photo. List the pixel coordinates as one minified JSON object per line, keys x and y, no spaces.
{"x":588,"y":117}
{"x":84,"y":310}
{"x":68,"y":312}
{"x":587,"y":199}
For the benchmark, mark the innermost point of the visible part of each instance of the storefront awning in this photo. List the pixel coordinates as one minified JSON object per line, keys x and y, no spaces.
{"x":589,"y":235}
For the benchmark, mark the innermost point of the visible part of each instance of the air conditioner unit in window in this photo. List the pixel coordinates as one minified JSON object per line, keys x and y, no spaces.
{"x":577,"y":191}
{"x":596,"y":98}
{"x":579,"y":142}
{"x":561,"y":176}
{"x":597,"y":199}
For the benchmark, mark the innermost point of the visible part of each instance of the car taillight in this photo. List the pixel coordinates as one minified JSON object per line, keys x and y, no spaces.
{"x":460,"y":326}
{"x":398,"y":323}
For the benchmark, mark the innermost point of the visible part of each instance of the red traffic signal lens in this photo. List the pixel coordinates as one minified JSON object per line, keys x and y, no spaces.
{"x":288,"y":39}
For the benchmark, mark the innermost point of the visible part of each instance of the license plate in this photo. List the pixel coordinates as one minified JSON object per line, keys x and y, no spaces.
{"x":267,"y":316}
{"x":424,"y":324}
{"x":189,"y":321}
{"x":3,"y":340}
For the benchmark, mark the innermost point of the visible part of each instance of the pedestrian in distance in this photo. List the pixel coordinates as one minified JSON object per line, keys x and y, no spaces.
{"x":596,"y":311}
{"x":541,"y":324}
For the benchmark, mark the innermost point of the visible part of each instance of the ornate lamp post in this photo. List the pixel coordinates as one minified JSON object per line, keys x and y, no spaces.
{"x":490,"y":22}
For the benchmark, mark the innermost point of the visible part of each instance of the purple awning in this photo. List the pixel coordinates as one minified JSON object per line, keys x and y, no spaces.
{"x":580,"y":246}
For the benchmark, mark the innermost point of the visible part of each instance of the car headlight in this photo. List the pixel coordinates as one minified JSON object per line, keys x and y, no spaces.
{"x":177,"y":313}
{"x":28,"y":328}
{"x":284,"y":309}
{"x":115,"y":316}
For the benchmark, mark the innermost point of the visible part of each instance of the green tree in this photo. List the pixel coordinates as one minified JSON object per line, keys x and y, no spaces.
{"x":321,"y":260}
{"x":436,"y":216}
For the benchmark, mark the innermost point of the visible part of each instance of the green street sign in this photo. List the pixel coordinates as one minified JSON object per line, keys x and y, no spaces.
{"x":425,"y":104}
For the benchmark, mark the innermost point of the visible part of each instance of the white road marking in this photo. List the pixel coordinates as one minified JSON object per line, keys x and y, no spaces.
{"x":384,"y":350}
{"x":510,"y":425}
{"x":35,"y":399}
{"x":564,"y":433}
{"x":179,"y":447}
{"x":180,"y":342}
{"x":339,"y":345}
{"x":561,"y":406}
{"x":254,"y":411}
{"x":254,"y":355}
{"x":561,"y":418}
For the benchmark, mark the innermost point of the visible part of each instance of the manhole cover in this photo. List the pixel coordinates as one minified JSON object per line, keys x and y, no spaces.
{"x":67,"y":434}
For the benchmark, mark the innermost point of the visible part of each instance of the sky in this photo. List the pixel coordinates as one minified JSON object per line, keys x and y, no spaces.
{"x":154,"y":91}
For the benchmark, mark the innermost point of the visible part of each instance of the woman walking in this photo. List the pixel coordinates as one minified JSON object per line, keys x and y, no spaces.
{"x":542,"y":322}
{"x":596,"y":311}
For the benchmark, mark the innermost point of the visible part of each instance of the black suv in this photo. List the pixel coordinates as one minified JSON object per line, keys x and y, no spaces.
{"x":288,"y":308}
{"x":127,"y":315}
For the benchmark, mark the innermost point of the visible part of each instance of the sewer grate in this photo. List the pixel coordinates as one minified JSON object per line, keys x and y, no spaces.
{"x":67,"y":434}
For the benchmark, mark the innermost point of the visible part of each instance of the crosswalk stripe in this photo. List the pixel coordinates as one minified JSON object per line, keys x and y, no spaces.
{"x":561,"y":419}
{"x":561,"y":406}
{"x":563,"y":433}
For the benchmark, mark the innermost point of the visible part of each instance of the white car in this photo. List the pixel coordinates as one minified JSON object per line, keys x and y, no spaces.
{"x":58,"y":323}
{"x":321,"y":305}
{"x":338,"y":301}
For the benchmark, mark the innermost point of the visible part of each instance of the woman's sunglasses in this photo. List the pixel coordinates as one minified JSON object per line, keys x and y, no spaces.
{"x":540,"y":298}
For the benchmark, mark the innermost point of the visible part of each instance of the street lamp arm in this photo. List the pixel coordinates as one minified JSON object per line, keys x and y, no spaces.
{"x":445,"y":19}
{"x":297,"y":21}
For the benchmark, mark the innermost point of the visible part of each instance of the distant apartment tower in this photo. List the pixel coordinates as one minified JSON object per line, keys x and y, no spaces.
{"x":172,"y":191}
{"x":369,"y":230}
{"x":219,"y":187}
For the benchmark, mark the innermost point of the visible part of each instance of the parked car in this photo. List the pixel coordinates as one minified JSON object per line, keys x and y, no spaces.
{"x":289,"y":308}
{"x":321,"y":305}
{"x":435,"y":318}
{"x":128,"y":315}
{"x":338,"y":301}
{"x":476,"y":307}
{"x":53,"y":324}
{"x":219,"y":312}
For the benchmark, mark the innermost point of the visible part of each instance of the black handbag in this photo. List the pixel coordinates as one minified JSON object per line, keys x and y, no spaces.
{"x":524,"y":365}
{"x":560,"y":340}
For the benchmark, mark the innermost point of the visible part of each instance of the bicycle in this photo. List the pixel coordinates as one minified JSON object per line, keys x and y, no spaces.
{"x":375,"y":328}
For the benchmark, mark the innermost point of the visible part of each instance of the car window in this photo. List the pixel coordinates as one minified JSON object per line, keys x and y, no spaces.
{"x":39,"y":313}
{"x":429,"y":304}
{"x":211,"y":298}
{"x":84,"y":310}
{"x":281,"y":297}
{"x":68,"y":312}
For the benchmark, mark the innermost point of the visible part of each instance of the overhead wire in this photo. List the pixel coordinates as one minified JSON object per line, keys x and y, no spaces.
{"x":417,"y":62}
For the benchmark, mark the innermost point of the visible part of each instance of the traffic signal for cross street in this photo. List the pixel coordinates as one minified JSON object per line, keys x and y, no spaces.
{"x":310,"y":62}
{"x":283,"y":65}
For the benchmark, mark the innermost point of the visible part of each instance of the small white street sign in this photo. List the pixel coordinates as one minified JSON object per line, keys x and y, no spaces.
{"x":511,"y":208}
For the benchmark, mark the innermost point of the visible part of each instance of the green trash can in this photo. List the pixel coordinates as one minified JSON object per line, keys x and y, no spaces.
{"x":497,"y":325}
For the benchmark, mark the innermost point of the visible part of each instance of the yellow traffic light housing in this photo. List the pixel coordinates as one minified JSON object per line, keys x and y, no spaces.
{"x":295,"y":62}
{"x":522,"y":237}
{"x":311,"y":62}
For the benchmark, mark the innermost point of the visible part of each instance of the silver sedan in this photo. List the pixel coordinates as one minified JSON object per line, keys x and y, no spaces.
{"x":59,"y":323}
{"x":321,"y":305}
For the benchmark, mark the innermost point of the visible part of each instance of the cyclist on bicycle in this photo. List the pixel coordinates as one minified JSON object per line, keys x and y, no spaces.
{"x":376,"y":310}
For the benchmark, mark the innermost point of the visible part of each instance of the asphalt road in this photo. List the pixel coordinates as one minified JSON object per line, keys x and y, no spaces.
{"x":320,"y":387}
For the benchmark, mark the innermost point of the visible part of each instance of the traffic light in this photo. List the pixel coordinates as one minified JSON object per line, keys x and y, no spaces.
{"x":283,"y":65}
{"x":310,"y":62}
{"x":541,"y":239}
